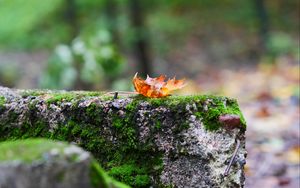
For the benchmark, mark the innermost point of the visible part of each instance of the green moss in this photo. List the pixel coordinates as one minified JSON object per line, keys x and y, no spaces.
{"x":215,"y":107}
{"x":209,"y":117}
{"x":28,"y":129}
{"x":59,"y":97}
{"x":131,"y":168}
{"x":32,"y":105}
{"x":94,"y":113}
{"x":125,"y":131}
{"x":27,"y":150}
{"x":142,"y":180}
{"x":39,"y":92}
{"x":157,"y":124}
{"x":123,"y":157}
{"x":2,"y":101}
{"x":2,"y":104}
{"x":124,"y":161}
{"x":32,"y":150}
{"x":37,"y":129}
{"x":117,"y":122}
{"x":35,"y":93}
{"x":60,"y":177}
{"x":131,"y":174}
{"x":100,"y":179}
{"x":135,"y":171}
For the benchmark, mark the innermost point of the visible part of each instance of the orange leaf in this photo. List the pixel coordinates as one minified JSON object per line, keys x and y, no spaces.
{"x":156,"y":87}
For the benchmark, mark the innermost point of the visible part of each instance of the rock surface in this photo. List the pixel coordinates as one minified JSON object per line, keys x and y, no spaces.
{"x":170,"y":142}
{"x":35,"y":163}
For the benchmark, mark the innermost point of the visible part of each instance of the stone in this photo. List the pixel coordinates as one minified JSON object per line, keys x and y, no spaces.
{"x":176,"y":141}
{"x":35,"y":163}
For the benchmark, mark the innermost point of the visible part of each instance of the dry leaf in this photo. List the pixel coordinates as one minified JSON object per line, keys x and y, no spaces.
{"x":293,"y":155}
{"x":156,"y":87}
{"x":263,"y":112}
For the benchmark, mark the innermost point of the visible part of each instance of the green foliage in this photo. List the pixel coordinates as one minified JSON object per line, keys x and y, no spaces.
{"x":281,"y":44}
{"x":92,"y":60}
{"x":44,"y":23}
{"x":27,"y":150}
{"x":19,"y":18}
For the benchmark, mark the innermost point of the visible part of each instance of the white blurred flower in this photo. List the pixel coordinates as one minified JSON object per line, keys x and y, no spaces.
{"x":106,"y":52}
{"x":64,"y":53}
{"x":104,"y":36}
{"x":78,"y":46}
{"x":89,"y":58}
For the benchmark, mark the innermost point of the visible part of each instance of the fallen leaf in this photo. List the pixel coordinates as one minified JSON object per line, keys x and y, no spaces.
{"x":263,"y":112}
{"x":283,"y":181}
{"x":156,"y":87}
{"x":293,"y":155}
{"x":264,"y":96}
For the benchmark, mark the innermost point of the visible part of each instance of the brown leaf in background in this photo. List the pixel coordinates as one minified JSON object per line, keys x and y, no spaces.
{"x":293,"y":155}
{"x":263,"y":112}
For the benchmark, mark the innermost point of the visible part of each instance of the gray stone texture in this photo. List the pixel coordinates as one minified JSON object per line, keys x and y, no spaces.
{"x":192,"y":157}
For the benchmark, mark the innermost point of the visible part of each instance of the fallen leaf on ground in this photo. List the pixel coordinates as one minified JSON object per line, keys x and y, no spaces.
{"x":263,"y":112}
{"x":293,"y":155}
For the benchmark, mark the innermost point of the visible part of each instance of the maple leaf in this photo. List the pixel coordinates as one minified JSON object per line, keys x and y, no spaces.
{"x":156,"y":87}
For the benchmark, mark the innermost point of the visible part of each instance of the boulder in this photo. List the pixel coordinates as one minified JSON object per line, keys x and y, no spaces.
{"x":176,"y":141}
{"x":35,"y":163}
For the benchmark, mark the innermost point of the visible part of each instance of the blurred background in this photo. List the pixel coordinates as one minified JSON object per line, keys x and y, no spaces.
{"x":247,"y":50}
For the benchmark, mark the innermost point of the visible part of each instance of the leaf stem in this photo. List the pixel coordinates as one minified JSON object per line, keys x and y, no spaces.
{"x":120,"y":92}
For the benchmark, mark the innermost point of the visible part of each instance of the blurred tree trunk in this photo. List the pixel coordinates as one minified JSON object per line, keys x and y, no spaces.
{"x":72,"y":21}
{"x":111,"y":18}
{"x":71,"y":18}
{"x":263,"y":21}
{"x":111,"y":8}
{"x":140,"y":44}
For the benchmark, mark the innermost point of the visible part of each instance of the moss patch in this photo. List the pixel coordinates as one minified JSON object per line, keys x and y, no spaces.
{"x":52,"y":96}
{"x":215,"y":104}
{"x":214,"y":108}
{"x":32,"y":150}
{"x":131,"y":174}
{"x":39,"y":92}
{"x":70,"y":96}
{"x":113,"y":138}
{"x":28,"y":129}
{"x":100,"y":179}
{"x":2,"y":101}
{"x":27,"y":150}
{"x":208,"y":108}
